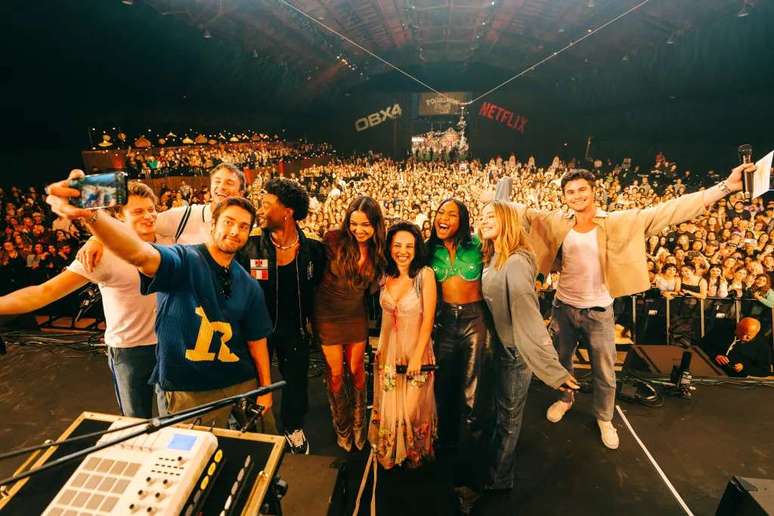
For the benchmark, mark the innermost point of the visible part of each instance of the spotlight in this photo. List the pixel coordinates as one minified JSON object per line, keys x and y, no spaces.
{"x":127,"y":2}
{"x":744,"y":11}
{"x":670,"y":40}
{"x":255,"y":54}
{"x":206,"y":34}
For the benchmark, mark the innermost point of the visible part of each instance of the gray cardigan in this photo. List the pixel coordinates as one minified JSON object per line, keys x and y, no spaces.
{"x":512,"y":300}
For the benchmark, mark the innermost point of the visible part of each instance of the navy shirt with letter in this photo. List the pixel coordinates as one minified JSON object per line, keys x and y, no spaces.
{"x":202,"y":334}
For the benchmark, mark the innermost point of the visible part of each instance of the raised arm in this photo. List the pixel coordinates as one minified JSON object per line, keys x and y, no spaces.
{"x":116,"y":236}
{"x":689,"y":206}
{"x":29,"y":299}
{"x":503,"y":193}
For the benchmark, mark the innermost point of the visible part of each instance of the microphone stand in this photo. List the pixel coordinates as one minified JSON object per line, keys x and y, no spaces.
{"x":150,"y":426}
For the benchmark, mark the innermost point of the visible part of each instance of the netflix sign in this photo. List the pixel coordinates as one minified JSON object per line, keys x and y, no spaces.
{"x":504,"y":116}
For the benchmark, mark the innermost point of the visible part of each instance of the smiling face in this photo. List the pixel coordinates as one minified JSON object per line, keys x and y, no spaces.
{"x":224,"y":183}
{"x":447,"y":220}
{"x":231,"y":230}
{"x":403,"y":249}
{"x":579,"y":195}
{"x":490,"y":225}
{"x":140,"y":214}
{"x":360,"y":227}
{"x":272,"y":214}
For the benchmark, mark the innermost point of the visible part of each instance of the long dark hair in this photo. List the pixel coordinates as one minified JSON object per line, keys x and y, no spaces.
{"x":462,"y":237}
{"x":420,"y":250}
{"x":347,"y":253}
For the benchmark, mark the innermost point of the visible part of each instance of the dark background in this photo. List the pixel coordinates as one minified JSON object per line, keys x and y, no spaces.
{"x":68,"y":66}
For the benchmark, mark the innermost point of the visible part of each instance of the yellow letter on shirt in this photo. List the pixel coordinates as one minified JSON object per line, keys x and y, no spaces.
{"x":201,"y":352}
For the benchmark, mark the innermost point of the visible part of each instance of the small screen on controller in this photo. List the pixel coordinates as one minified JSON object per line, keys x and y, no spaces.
{"x":182,"y":442}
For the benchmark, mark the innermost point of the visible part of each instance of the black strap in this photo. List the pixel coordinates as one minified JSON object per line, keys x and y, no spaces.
{"x":184,"y":222}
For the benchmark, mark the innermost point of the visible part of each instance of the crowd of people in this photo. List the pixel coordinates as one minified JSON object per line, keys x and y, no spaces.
{"x":453,"y":260}
{"x":36,"y":244}
{"x":196,"y":160}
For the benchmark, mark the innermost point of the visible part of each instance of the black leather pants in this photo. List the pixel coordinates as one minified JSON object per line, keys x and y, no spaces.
{"x":462,"y":347}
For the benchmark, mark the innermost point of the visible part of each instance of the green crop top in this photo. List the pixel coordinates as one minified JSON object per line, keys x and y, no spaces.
{"x":467,"y":264}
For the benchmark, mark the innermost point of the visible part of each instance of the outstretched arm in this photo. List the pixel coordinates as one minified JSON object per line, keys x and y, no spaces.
{"x":689,"y":206}
{"x":117,"y":236}
{"x":29,"y":299}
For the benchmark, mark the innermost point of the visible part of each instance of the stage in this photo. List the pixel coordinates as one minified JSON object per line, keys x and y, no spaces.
{"x":562,"y":468}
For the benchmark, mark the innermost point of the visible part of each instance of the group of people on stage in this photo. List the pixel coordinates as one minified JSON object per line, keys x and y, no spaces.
{"x":461,"y":331}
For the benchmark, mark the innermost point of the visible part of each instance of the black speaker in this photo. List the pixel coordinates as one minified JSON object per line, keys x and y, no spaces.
{"x":747,"y":497}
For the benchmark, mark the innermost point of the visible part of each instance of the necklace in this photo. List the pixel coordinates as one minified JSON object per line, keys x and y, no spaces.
{"x":284,"y":247}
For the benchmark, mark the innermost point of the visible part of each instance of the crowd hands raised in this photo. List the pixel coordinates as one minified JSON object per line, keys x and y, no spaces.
{"x":729,"y":250}
{"x":360,"y":208}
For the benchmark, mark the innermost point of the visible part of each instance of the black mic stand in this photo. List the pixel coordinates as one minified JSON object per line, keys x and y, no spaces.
{"x":147,"y":427}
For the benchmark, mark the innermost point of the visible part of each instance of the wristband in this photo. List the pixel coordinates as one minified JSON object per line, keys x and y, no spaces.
{"x":91,"y":220}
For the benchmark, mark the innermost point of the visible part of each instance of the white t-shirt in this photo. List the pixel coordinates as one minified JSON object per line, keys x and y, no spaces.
{"x":581,"y":282}
{"x":130,"y":317}
{"x":197,"y":229}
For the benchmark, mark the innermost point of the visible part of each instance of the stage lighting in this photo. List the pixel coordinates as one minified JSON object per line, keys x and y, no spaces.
{"x":206,"y":34}
{"x":255,"y":54}
{"x":747,"y":6}
{"x":127,"y":2}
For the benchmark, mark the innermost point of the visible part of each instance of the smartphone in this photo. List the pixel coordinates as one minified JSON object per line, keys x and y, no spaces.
{"x":101,"y":190}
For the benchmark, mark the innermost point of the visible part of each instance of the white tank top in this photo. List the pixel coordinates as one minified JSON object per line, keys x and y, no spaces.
{"x":581,"y":282}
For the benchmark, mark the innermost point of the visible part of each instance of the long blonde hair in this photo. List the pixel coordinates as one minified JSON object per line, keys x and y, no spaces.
{"x":512,"y":237}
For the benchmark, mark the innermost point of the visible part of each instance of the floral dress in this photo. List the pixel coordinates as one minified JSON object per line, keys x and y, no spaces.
{"x":403,"y":418}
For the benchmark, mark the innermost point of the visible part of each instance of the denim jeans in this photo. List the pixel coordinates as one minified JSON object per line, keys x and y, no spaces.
{"x":596,"y":328}
{"x":511,"y":387}
{"x":131,"y":369}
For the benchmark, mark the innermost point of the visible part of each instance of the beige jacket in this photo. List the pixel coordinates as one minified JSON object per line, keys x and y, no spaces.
{"x":621,"y":236}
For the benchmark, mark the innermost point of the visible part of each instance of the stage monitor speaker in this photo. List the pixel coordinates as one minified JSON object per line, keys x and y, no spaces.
{"x":659,"y":359}
{"x":316,"y":485}
{"x":747,"y":497}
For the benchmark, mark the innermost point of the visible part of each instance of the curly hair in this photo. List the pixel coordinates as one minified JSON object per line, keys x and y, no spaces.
{"x":420,"y":249}
{"x":291,"y":194}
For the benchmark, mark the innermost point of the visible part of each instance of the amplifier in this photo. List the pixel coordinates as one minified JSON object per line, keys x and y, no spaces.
{"x":747,"y":497}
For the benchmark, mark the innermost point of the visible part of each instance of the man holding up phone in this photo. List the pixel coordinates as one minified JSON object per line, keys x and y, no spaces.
{"x":129,"y":316}
{"x":212,"y":321}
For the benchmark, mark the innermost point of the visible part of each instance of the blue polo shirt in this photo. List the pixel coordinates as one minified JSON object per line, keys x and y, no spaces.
{"x":203,"y":334}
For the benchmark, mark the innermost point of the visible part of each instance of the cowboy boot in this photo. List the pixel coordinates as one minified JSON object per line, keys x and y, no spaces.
{"x":359,"y":426}
{"x":341,"y":414}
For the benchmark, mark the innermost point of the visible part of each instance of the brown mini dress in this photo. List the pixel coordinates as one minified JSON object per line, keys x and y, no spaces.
{"x":339,"y":315}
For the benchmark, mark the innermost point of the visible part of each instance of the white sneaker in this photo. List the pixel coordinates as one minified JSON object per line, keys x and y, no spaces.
{"x":609,"y":434}
{"x":556,"y":411}
{"x":297,"y":442}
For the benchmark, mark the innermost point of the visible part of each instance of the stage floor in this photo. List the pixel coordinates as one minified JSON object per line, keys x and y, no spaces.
{"x":562,"y":468}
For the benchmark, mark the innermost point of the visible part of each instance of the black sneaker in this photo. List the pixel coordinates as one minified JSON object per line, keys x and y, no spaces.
{"x":297,"y":442}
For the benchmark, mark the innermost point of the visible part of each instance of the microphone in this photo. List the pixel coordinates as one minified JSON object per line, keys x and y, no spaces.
{"x":681,"y":376}
{"x":401,"y":369}
{"x":745,"y":156}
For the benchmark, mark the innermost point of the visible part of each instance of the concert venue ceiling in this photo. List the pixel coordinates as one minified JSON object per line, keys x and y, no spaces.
{"x":664,"y":48}
{"x":220,"y":63}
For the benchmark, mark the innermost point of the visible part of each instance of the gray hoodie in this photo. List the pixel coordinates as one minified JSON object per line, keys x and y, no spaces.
{"x":512,"y":300}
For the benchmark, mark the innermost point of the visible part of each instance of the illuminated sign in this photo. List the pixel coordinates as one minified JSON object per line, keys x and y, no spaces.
{"x":374,"y":119}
